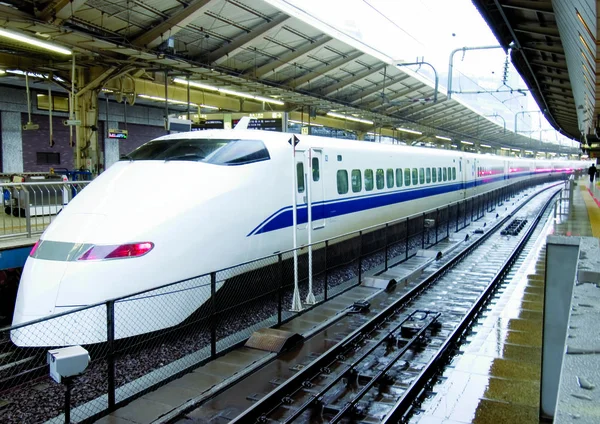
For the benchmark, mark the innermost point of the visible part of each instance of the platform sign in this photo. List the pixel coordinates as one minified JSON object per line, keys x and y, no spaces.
{"x":272,"y":124}
{"x":117,"y":133}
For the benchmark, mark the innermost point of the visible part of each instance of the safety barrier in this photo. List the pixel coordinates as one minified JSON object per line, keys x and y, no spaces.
{"x":30,"y":207}
{"x":206,"y":316}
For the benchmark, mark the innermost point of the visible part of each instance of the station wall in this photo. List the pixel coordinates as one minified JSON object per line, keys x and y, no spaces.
{"x":30,"y":150}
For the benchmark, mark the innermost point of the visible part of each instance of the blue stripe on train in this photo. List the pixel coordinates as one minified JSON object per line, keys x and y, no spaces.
{"x":332,"y":208}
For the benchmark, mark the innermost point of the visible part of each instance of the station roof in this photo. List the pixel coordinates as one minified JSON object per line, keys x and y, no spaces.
{"x":553,"y":46}
{"x":247,"y":46}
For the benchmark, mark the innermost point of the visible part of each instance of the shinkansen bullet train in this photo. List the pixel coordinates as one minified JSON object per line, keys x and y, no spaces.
{"x":187,"y":204}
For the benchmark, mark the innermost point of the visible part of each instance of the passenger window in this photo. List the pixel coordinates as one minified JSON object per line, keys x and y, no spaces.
{"x":368,"y":179}
{"x":315,"y":169}
{"x":421,"y":175}
{"x":380,"y":182}
{"x":454,"y":172}
{"x":434,"y":175}
{"x":445,"y":170}
{"x":356,"y":181}
{"x":440,"y":175}
{"x":406,"y":176}
{"x":342,"y":181}
{"x":415,"y":176}
{"x":300,"y":176}
{"x":398,"y":177}
{"x":449,"y":173}
{"x":428,"y":175}
{"x":389,"y":175}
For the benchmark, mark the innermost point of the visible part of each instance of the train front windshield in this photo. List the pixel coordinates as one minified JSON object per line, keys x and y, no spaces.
{"x":215,"y":151}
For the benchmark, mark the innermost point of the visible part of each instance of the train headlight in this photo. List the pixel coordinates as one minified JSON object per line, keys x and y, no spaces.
{"x":122,"y":251}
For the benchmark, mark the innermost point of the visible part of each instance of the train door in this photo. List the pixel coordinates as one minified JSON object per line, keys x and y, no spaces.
{"x":317,"y":192}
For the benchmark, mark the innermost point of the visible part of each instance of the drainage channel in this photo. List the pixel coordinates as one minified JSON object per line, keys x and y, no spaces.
{"x":376,"y":372}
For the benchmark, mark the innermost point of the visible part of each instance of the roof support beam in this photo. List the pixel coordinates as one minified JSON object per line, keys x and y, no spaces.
{"x":430,"y":113}
{"x":387,"y":102}
{"x":538,"y":30}
{"x":534,"y":6}
{"x":284,"y":61}
{"x":351,"y":80}
{"x":238,"y":43}
{"x":60,"y":10}
{"x":172,"y":25}
{"x":321,"y":71}
{"x":363,"y":94}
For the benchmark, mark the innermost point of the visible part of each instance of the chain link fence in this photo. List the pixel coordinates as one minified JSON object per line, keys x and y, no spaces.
{"x":203,"y":317}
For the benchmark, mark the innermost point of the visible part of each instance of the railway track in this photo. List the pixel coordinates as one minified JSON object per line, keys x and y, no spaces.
{"x":378,"y":372}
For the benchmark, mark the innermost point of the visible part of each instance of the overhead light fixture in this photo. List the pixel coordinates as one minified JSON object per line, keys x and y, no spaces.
{"x":504,"y":148}
{"x":468,"y":143}
{"x":516,"y":150}
{"x":409,"y":131}
{"x":485,"y":145}
{"x":443,"y":138}
{"x":454,"y":146}
{"x":304,"y":123}
{"x":176,"y":102}
{"x":2,"y":72}
{"x":33,"y":74}
{"x":33,"y":41}
{"x":349,"y":118}
{"x":529,"y":151}
{"x":227,"y":91}
{"x":584,"y":156}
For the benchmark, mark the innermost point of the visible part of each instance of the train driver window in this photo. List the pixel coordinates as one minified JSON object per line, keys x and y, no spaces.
{"x":300,"y":176}
{"x":445,"y":173}
{"x":434,"y":175}
{"x":356,"y":181}
{"x":428,"y":175}
{"x":415,"y":176}
{"x":406,"y":176}
{"x":315,"y":169}
{"x":398,"y":177}
{"x":389,"y":176}
{"x":368,"y":179}
{"x":454,"y":172}
{"x":342,"y":181}
{"x":379,"y":178}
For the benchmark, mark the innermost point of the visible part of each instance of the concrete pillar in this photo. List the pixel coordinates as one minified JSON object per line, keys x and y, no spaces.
{"x":227,"y":121}
{"x":12,"y":142}
{"x":111,"y":147}
{"x":86,"y":152}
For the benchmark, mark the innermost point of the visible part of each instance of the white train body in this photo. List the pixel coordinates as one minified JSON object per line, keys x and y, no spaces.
{"x":180,"y":218}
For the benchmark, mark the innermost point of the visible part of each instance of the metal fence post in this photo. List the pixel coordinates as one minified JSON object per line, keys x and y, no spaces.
{"x":213,"y":313}
{"x":448,"y":221}
{"x":27,"y":212}
{"x":326,"y":278}
{"x":280,"y":290}
{"x":406,"y":237}
{"x":360,"y":256}
{"x":386,"y":245}
{"x":423,"y":234}
{"x":110,"y":345}
{"x":437,"y":222}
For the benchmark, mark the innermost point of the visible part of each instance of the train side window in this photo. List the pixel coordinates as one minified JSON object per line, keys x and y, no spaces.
{"x":356,"y":181}
{"x":380,"y":179}
{"x":398,"y":177}
{"x":368,"y":179}
{"x":315,"y":169}
{"x":300,"y":176}
{"x":440,"y":175}
{"x":428,"y":175}
{"x":434,"y":175}
{"x":449,"y":173}
{"x":421,"y":175}
{"x":389,"y":176}
{"x":342,"y":181}
{"x":454,"y":172}
{"x":415,"y":176}
{"x":445,"y":173}
{"x":406,"y":176}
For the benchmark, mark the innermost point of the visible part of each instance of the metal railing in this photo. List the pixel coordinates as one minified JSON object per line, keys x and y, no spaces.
{"x":208,"y":315}
{"x":28,"y":208}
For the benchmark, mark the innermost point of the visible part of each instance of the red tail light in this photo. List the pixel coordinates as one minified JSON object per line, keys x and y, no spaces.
{"x":34,"y":248}
{"x":117,"y":251}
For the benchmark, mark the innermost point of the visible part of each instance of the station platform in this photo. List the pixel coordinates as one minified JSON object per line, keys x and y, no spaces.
{"x":495,"y":377}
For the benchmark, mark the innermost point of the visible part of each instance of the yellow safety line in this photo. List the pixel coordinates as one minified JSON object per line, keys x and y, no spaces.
{"x":593,"y":210}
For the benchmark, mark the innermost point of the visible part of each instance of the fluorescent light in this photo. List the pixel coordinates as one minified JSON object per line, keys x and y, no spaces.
{"x":349,"y":118}
{"x":466,"y":142}
{"x":454,"y":146}
{"x":443,"y":138}
{"x":227,"y":91}
{"x":516,"y":150}
{"x":33,"y":41}
{"x":584,"y":156}
{"x":529,"y":151}
{"x":485,"y":145}
{"x":304,"y":123}
{"x":409,"y":131}
{"x":2,"y":72}
{"x":504,"y":148}
{"x":32,"y":74}
{"x":176,"y":102}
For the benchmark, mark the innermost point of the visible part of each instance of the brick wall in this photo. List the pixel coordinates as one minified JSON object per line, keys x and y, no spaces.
{"x":39,"y":141}
{"x":138,"y":135}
